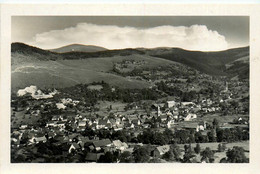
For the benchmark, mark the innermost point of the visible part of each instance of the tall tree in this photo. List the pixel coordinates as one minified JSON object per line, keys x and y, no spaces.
{"x":141,"y":155}
{"x":236,"y":155}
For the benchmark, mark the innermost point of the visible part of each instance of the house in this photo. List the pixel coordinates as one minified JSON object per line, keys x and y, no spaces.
{"x":72,"y":137}
{"x":163,"y":117}
{"x":93,"y":157}
{"x":51,"y":124}
{"x":51,"y":134}
{"x":155,"y":106}
{"x":80,"y":128}
{"x":118,"y":127}
{"x":169,"y":113}
{"x":200,"y":128}
{"x":146,"y":125}
{"x":56,"y":118}
{"x":15,"y":142}
{"x":37,"y":138}
{"x":112,"y":121}
{"x":23,"y":126}
{"x":99,"y":144}
{"x":118,"y":121}
{"x":82,"y":124}
{"x":160,"y":150}
{"x":195,"y":110}
{"x":61,"y":124}
{"x":40,"y":139}
{"x":187,"y":103}
{"x":194,"y":126}
{"x":136,"y":122}
{"x":104,"y":124}
{"x":119,"y":145}
{"x":129,"y":125}
{"x":65,"y":147}
{"x":94,"y":126}
{"x":202,"y":125}
{"x":77,"y":117}
{"x":84,"y":141}
{"x":209,"y":102}
{"x":60,"y":106}
{"x":170,"y":104}
{"x":170,"y":123}
{"x":131,"y":150}
{"x":132,"y":117}
{"x":190,"y":116}
{"x":74,"y":146}
{"x":35,"y":112}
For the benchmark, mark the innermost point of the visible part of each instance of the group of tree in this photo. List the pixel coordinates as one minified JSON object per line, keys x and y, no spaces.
{"x":154,"y":137}
{"x":90,"y":97}
{"x":176,"y":91}
{"x":235,"y":155}
{"x":174,"y":154}
{"x":150,"y":136}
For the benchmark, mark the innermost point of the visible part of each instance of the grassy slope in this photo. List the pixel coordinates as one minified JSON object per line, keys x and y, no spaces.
{"x":213,"y":63}
{"x":31,"y":65}
{"x":61,"y":73}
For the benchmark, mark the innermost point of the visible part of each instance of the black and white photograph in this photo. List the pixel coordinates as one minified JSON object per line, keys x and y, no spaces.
{"x":130,"y":89}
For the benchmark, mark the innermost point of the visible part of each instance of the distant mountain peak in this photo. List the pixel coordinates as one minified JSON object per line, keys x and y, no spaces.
{"x":78,"y":48}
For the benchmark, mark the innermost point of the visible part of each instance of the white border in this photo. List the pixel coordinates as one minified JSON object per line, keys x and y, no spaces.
{"x":135,"y":10}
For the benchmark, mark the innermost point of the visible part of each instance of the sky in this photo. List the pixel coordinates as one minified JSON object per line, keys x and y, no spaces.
{"x":202,"y":33}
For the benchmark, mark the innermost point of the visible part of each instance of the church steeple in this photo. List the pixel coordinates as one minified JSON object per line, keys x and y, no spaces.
{"x":158,"y":111}
{"x":226,"y":86}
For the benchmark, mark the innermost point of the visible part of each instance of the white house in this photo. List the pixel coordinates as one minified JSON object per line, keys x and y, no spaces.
{"x":60,"y":106}
{"x":170,"y":123}
{"x":170,"y":104}
{"x":119,"y":145}
{"x":190,"y":116}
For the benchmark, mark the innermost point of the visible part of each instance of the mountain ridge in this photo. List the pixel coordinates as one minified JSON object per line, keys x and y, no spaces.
{"x":221,"y":63}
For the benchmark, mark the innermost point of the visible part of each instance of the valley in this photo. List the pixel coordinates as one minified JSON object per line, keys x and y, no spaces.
{"x":130,"y":106}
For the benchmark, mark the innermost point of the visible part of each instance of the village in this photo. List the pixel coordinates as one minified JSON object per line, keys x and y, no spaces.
{"x":52,"y":126}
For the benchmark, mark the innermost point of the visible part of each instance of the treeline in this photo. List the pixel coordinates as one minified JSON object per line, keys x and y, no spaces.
{"x":106,"y":53}
{"x":149,"y":136}
{"x":191,"y":136}
{"x":175,"y":91}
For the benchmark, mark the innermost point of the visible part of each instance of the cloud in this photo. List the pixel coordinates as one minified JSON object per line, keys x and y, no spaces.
{"x":195,"y":37}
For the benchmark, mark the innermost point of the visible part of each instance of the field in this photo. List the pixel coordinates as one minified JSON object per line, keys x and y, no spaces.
{"x":219,"y":155}
{"x":223,"y":120}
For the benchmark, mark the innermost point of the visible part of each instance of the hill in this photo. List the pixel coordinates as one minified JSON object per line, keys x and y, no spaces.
{"x":78,"y":48}
{"x":22,"y":52}
{"x":29,"y":68}
{"x":213,"y":63}
{"x":239,"y":67}
{"x":32,"y":65}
